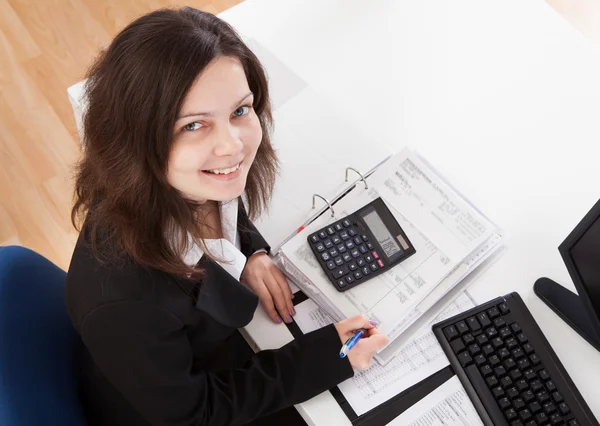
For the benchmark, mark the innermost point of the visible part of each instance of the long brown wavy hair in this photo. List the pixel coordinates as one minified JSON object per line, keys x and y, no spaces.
{"x":134,"y":91}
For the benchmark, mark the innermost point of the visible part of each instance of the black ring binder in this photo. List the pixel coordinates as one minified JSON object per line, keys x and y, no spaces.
{"x":357,"y":172}
{"x":326,"y":200}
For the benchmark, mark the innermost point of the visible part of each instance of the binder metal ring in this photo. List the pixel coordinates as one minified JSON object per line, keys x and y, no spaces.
{"x":326,"y":200}
{"x":359,"y":173}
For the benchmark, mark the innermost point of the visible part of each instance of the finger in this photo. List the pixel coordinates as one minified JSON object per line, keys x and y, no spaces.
{"x":373,"y":343}
{"x":267,"y":301}
{"x":357,"y":322}
{"x":278,"y":297}
{"x":285,"y":288}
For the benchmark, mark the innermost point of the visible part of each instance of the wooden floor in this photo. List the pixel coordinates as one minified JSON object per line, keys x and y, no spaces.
{"x":45,"y":47}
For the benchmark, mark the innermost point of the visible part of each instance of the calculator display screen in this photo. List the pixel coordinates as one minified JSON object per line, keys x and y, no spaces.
{"x":381,"y":233}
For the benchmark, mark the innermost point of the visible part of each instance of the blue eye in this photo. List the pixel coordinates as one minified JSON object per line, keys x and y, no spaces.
{"x":243,"y":110}
{"x":192,"y":126}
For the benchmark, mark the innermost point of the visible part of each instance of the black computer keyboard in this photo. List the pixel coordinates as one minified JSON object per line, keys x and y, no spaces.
{"x":508,"y":368}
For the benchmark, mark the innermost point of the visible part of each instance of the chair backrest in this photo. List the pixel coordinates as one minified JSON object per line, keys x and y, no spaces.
{"x":38,"y":344}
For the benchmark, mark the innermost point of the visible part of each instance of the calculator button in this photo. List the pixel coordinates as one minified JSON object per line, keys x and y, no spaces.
{"x":320,"y":247}
{"x":375,"y":255}
{"x":361,"y":262}
{"x":314,"y":238}
{"x":325,"y":256}
{"x":353,"y":266}
{"x":322,"y":235}
{"x":357,"y":275}
{"x":363,"y":249}
{"x":374,"y":267}
{"x":331,"y":265}
{"x":328,"y":244}
{"x":336,"y":240}
{"x":338,"y":261}
{"x":347,"y":257}
{"x":370,"y":246}
{"x":333,"y":252}
{"x":355,"y":253}
{"x":338,"y":227}
{"x":349,"y":279}
{"x":330,"y":230}
{"x":346,"y":223}
{"x":366,"y":270}
{"x":344,"y":235}
{"x":341,"y":283}
{"x":341,"y":248}
{"x":340,"y":272}
{"x":369,"y":258}
{"x":380,"y":263}
{"x":350,"y":245}
{"x":358,"y":240}
{"x":351,"y":232}
{"x":365,"y":238}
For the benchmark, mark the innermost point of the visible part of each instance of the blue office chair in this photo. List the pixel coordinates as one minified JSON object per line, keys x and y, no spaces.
{"x":38,"y":345}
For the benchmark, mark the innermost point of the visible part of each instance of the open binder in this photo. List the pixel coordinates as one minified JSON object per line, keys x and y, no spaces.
{"x":445,"y":281}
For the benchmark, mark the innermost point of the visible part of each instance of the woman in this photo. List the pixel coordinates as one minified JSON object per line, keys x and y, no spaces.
{"x":168,"y":264}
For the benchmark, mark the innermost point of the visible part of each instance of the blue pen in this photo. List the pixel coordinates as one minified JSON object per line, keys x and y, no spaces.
{"x":351,"y":342}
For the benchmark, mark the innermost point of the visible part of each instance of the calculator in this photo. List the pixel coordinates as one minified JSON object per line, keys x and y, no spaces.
{"x":360,"y":246}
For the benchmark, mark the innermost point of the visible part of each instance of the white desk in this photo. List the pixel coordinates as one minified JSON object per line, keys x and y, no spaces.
{"x":502,"y":97}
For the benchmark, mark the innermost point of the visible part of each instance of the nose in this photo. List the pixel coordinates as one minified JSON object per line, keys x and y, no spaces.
{"x":228,"y":141}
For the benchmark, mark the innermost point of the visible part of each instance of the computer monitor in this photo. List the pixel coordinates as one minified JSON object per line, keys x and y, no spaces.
{"x":581,"y":253}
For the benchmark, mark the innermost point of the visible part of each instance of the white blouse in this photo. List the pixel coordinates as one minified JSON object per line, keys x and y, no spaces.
{"x":226,"y":249}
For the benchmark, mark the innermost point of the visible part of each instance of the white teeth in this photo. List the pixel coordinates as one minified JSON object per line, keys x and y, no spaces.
{"x":225,"y":171}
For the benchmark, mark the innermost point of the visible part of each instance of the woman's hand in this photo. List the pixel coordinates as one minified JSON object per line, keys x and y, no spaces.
{"x":362,"y":353}
{"x":264,"y":278}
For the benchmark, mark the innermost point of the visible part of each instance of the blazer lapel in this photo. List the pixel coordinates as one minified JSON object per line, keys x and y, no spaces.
{"x":223,"y":297}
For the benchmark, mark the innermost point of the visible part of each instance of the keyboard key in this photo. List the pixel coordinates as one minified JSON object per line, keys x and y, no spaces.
{"x":500,"y":371}
{"x":531,"y":423}
{"x":492,"y":381}
{"x":518,"y":353}
{"x":519,"y":403}
{"x":550,"y":386}
{"x":486,"y":370}
{"x":363,"y":249}
{"x":338,"y":261}
{"x":350,"y":245}
{"x":341,"y":283}
{"x":534,"y":407}
{"x":349,"y":279}
{"x":525,"y":415}
{"x":504,"y":403}
{"x":563,"y":408}
{"x":516,"y":328}
{"x":338,"y":227}
{"x":357,"y":275}
{"x":522,"y":338}
{"x":482,"y":339}
{"x":484,"y":320}
{"x":509,"y":364}
{"x":505,"y":333}
{"x":506,"y":382}
{"x":369,"y":258}
{"x":361,"y":262}
{"x":528,"y":396}
{"x":516,"y":423}
{"x":516,"y":374}
{"x":366,"y":271}
{"x":498,"y":392}
{"x":544,"y":375}
{"x":347,"y":257}
{"x":340,"y":272}
{"x":314,"y":238}
{"x":528,"y":348}
{"x":474,"y":349}
{"x":330,"y":265}
{"x":497,"y":343}
{"x":555,"y":419}
{"x":557,"y":397}
{"x":494,"y":313}
{"x":468,"y":339}
{"x":574,"y":422}
{"x":374,"y":267}
{"x":322,"y":235}
{"x":320,"y":247}
{"x":511,"y":343}
{"x":450,"y":332}
{"x":465,"y":359}
{"x":342,"y":248}
{"x":536,"y":385}
{"x":535,"y":360}
{"x":344,"y":235}
{"x":549,"y":407}
{"x":355,"y":253}
{"x":491,"y":333}
{"x":523,"y":364}
{"x":351,"y":232}
{"x":358,"y":240}
{"x":346,"y":223}
{"x":488,"y":350}
{"x":512,"y":393}
{"x":333,"y":252}
{"x":325,"y":256}
{"x":352,"y":266}
{"x":529,"y":375}
{"x":542,"y":396}
{"x":330,"y":230}
{"x":494,"y":360}
{"x":499,"y":322}
{"x":503,"y":353}
{"x":510,"y":414}
{"x":462,"y":328}
{"x":328,"y":243}
{"x":473,"y":324}
{"x":479,"y":360}
{"x":541,"y":418}
{"x":521,"y":385}
{"x":503,"y":308}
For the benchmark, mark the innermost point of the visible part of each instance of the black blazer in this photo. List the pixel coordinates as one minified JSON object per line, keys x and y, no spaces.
{"x":154,"y":355}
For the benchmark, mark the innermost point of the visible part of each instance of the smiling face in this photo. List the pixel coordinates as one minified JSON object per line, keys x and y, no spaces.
{"x":216,"y":135}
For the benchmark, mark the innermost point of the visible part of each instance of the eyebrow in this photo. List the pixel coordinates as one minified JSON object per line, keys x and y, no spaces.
{"x":210,"y":114}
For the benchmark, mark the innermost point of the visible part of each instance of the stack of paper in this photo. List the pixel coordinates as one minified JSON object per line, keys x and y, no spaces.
{"x":452,"y":239}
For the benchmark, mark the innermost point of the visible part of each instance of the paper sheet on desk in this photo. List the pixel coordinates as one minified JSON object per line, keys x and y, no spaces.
{"x":448,"y":405}
{"x":416,"y":360}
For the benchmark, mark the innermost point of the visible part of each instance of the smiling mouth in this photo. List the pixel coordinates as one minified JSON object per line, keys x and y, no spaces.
{"x":224,"y":171}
